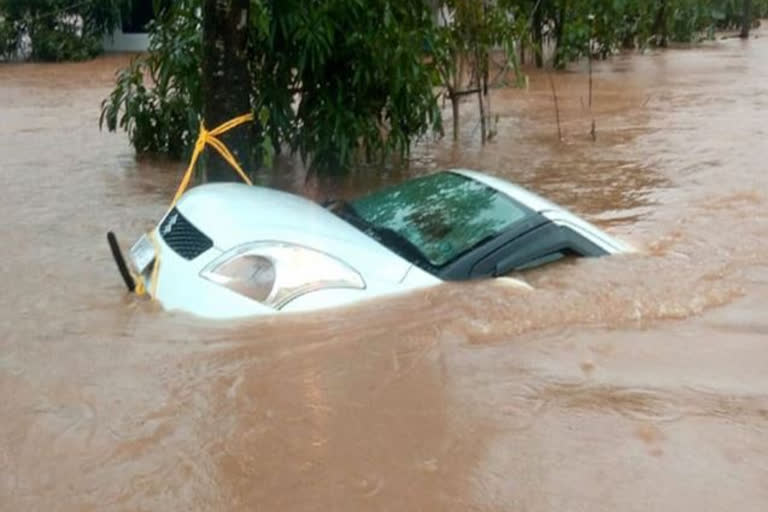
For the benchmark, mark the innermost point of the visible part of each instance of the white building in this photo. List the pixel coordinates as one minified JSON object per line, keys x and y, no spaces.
{"x":132,"y":36}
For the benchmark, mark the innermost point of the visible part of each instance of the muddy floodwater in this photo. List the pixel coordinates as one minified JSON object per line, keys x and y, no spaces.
{"x":629,"y":383}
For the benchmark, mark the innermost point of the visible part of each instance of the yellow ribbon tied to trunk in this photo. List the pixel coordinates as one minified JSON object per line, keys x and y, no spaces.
{"x":212,"y":138}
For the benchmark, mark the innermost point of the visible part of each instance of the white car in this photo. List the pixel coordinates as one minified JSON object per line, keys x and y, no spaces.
{"x":231,"y":250}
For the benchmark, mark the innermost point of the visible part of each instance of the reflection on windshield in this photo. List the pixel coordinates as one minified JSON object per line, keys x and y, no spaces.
{"x":442,"y":215}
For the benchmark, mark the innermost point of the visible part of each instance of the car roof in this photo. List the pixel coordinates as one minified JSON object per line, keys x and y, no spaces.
{"x":549,"y":209}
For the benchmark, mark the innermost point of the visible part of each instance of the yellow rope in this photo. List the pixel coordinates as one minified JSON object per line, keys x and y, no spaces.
{"x":141,"y":285}
{"x":141,"y":288}
{"x":156,"y":265}
{"x":211,"y":137}
{"x":205,"y":137}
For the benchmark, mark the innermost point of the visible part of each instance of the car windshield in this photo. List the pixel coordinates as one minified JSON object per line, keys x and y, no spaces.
{"x":440,"y":216}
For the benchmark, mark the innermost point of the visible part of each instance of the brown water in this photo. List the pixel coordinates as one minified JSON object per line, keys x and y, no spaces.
{"x":626,"y":383}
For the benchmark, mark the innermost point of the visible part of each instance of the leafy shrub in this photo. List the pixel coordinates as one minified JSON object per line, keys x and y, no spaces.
{"x":9,"y":37}
{"x":157,"y":98}
{"x":58,"y":29}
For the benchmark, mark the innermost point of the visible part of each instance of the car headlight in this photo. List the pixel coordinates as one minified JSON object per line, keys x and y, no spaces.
{"x":275,"y":273}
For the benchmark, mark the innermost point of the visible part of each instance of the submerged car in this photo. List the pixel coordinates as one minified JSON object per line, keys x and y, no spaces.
{"x":231,"y":250}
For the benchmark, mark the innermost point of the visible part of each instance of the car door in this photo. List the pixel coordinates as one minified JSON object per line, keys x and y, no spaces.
{"x":544,"y":244}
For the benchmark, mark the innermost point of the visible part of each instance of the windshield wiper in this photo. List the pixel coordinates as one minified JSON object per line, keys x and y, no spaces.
{"x":346,"y":211}
{"x":401,"y":245}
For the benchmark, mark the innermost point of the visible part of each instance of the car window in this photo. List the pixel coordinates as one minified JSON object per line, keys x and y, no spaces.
{"x":544,"y":244}
{"x":442,"y":215}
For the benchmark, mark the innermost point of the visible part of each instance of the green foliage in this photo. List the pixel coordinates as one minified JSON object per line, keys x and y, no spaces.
{"x":58,"y":29}
{"x":10,"y":36}
{"x":343,"y":82}
{"x":339,"y":82}
{"x":357,"y":67}
{"x":469,"y":30}
{"x":158,"y":98}
{"x":62,"y":42}
{"x":604,"y":26}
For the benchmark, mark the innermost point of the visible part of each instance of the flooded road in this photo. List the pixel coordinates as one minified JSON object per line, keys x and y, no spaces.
{"x":625,"y":383}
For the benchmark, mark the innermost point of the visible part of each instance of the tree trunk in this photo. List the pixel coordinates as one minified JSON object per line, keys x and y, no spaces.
{"x":455,"y":106}
{"x":225,"y":83}
{"x":481,"y":64}
{"x":559,"y":29}
{"x":557,"y":106}
{"x":746,"y":21}
{"x":538,"y":46}
{"x":483,"y":127}
{"x":628,"y":43}
{"x":660,"y":25}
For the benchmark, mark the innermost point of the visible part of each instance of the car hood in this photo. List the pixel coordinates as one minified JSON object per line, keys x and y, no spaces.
{"x":232,"y":214}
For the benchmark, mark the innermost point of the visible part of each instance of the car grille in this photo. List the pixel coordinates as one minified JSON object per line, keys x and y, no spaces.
{"x":184,"y":238}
